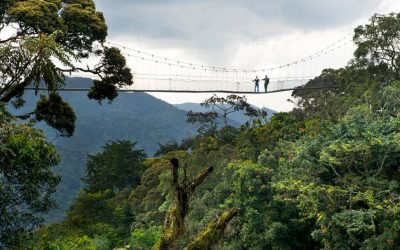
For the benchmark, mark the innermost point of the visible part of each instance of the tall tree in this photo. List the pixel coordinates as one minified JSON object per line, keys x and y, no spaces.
{"x":221,"y":107}
{"x":378,"y":45}
{"x":175,"y":217}
{"x":42,"y":40}
{"x":26,"y":179}
{"x":224,"y":106}
{"x":206,"y":121}
{"x":376,"y":63}
{"x":174,"y":222}
{"x":338,"y":89}
{"x":119,"y":166}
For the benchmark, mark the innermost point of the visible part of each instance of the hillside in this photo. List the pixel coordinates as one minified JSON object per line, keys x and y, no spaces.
{"x":132,"y":116}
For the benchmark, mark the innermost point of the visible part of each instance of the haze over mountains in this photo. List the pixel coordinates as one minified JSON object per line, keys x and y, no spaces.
{"x":137,"y":117}
{"x":132,"y":116}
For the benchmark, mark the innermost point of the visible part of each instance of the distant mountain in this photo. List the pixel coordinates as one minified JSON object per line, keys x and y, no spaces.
{"x":237,"y":118}
{"x":131,"y":116}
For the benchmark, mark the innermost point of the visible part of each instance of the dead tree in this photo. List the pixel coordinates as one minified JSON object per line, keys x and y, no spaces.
{"x":175,"y":217}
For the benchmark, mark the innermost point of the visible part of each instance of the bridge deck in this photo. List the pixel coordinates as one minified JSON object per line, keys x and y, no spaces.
{"x":208,"y":86}
{"x":192,"y":91}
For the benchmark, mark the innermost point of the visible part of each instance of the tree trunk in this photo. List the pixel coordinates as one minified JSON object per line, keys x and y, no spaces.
{"x":174,"y":222}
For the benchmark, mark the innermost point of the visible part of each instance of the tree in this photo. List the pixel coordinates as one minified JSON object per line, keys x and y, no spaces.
{"x":26,"y":179}
{"x":119,"y":166}
{"x":45,"y":39}
{"x":102,"y":207}
{"x":225,"y":106}
{"x":174,"y":226}
{"x":221,"y":107}
{"x":342,"y":89}
{"x":48,"y":109}
{"x":258,"y":117}
{"x":378,"y":45}
{"x":207,"y":121}
{"x":42,"y":41}
{"x":175,"y":217}
{"x":375,"y":65}
{"x":164,"y":149}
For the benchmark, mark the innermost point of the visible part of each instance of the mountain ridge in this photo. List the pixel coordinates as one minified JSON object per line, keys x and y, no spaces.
{"x":131,"y":116}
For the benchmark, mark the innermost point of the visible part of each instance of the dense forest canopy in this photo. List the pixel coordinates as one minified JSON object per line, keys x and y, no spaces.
{"x":324,"y":176}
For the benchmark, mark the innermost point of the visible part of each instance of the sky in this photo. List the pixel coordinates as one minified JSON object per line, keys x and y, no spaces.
{"x":240,"y":34}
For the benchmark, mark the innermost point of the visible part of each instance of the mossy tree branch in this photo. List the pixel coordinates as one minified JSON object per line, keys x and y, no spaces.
{"x":213,"y":232}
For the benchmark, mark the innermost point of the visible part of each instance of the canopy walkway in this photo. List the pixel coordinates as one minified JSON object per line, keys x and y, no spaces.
{"x":211,"y":86}
{"x":154,"y":73}
{"x":221,"y":86}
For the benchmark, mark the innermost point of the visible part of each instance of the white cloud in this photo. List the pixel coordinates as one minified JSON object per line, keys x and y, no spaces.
{"x":235,"y":33}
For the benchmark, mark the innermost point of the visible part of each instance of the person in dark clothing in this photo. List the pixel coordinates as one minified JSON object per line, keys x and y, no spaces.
{"x":256,"y":84}
{"x":266,"y":82}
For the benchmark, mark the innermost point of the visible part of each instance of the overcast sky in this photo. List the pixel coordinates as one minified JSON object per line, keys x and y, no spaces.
{"x":240,"y":34}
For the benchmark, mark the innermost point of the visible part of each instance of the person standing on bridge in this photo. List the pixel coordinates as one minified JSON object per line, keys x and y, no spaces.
{"x":256,"y":84}
{"x":266,"y":82}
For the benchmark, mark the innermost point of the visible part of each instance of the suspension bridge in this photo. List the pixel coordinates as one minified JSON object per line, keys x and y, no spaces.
{"x":156,"y":73}
{"x":177,"y":85}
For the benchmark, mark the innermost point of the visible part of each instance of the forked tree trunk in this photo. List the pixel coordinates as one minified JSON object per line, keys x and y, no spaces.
{"x":174,"y":219}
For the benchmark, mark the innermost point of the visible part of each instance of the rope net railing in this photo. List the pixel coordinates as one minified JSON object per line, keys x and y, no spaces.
{"x":157,"y":73}
{"x":171,"y":85}
{"x":154,"y":84}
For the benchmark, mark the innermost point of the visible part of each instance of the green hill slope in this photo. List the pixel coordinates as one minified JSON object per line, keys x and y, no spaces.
{"x":132,"y":116}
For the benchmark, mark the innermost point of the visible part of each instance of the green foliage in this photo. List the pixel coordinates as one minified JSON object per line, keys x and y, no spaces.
{"x":26,"y":179}
{"x":29,"y":15}
{"x":91,"y":209}
{"x":83,"y":24}
{"x":56,"y":113}
{"x":378,"y":45}
{"x":145,"y":239}
{"x":207,"y":121}
{"x":251,"y":192}
{"x":116,"y":74}
{"x":118,"y":166}
{"x":48,"y":39}
{"x":250,"y":181}
{"x":213,"y":232}
{"x":282,"y":126}
{"x":81,"y":243}
{"x":222,"y":107}
{"x":346,"y":178}
{"x":164,"y":149}
{"x":102,"y":210}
